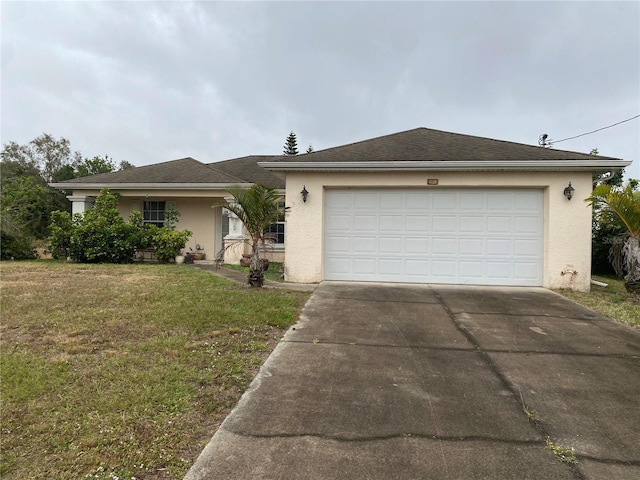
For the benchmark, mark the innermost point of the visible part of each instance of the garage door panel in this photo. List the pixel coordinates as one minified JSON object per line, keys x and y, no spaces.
{"x":339,"y":244}
{"x":391,"y":245}
{"x":442,"y":224}
{"x":365,"y":201}
{"x":339,"y":223}
{"x":498,"y":246}
{"x":391,"y":223}
{"x":445,"y":202}
{"x":392,"y":202}
{"x":391,"y":266}
{"x":365,"y":265}
{"x":417,"y":223}
{"x":417,"y":245}
{"x":499,"y":270}
{"x":479,"y":236}
{"x":472,"y":202}
{"x":366,"y":244}
{"x":499,"y":224}
{"x":420,"y":201}
{"x":472,"y":269}
{"x":524,"y":271}
{"x":337,"y":202}
{"x":443,"y":269}
{"x":339,"y":266}
{"x":417,"y":268}
{"x":525,"y":248}
{"x":472,"y":224}
{"x":499,"y":201}
{"x":527,"y":202}
{"x":526,"y":225}
{"x":365,"y":223}
{"x":471,"y":246}
{"x":443,"y":246}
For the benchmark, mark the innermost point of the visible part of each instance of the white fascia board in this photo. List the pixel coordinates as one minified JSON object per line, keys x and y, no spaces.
{"x":149,"y":186}
{"x":449,"y":166}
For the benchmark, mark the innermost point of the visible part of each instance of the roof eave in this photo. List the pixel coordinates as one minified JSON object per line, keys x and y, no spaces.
{"x":148,"y":186}
{"x":449,"y":166}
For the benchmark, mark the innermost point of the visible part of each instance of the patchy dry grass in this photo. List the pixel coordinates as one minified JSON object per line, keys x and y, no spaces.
{"x":124,"y":370}
{"x":612,"y":301}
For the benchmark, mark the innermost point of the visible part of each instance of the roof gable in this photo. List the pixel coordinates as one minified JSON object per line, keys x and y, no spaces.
{"x":424,"y":149}
{"x":424,"y":144}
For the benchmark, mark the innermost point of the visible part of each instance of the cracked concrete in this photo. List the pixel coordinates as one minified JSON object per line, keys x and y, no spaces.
{"x":384,"y":381}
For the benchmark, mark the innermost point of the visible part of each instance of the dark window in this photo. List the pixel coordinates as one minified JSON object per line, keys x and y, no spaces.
{"x":154,"y":213}
{"x":276,"y":230}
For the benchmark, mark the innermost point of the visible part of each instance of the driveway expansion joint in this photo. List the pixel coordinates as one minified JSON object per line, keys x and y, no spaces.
{"x":377,"y":438}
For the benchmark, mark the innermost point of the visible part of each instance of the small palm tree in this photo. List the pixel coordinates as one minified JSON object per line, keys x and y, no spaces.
{"x":622,"y":205}
{"x":257,"y":208}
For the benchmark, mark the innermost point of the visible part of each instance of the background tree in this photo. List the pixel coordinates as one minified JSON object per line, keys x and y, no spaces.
{"x":124,"y":165}
{"x":27,"y":200}
{"x":95,"y":165}
{"x":257,"y":208}
{"x":310,"y":149}
{"x":291,"y":145}
{"x":604,"y":231}
{"x":621,"y":207}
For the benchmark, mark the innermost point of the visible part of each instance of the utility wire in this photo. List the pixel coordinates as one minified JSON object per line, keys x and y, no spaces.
{"x":552,"y":142}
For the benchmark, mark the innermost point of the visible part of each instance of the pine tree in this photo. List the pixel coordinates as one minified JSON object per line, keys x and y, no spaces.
{"x":291,"y":145}
{"x":310,"y":149}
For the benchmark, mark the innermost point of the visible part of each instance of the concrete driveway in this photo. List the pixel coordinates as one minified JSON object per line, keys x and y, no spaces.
{"x":386,"y":381}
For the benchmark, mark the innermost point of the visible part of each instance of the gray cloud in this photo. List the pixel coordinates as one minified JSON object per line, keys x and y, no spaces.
{"x":152,"y":81}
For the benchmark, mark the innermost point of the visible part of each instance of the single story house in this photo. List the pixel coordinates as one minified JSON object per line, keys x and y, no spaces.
{"x":420,"y":206}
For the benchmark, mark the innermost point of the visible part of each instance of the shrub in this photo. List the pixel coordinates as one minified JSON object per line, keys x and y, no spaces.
{"x":60,"y":232}
{"x":168,"y":243}
{"x":100,"y":235}
{"x":16,"y":247}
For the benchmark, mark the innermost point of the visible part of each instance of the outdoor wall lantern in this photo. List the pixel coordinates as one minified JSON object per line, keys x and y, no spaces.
{"x":568,"y":192}
{"x":304,"y":193}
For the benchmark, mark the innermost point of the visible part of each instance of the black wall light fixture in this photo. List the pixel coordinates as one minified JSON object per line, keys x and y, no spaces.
{"x":304,"y":193}
{"x":568,"y":192}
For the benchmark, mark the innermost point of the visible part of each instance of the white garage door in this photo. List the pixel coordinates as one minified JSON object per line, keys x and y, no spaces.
{"x":465,"y":236}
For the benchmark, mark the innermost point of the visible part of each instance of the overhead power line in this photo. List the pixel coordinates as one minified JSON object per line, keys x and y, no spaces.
{"x":594,"y":131}
{"x":544,"y":142}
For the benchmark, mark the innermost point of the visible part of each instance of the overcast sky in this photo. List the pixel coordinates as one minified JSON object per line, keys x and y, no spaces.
{"x":149,"y":82}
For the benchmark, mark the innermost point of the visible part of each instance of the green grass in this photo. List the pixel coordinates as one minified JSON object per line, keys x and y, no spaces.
{"x":612,"y":301}
{"x":124,"y":370}
{"x":274,"y":272}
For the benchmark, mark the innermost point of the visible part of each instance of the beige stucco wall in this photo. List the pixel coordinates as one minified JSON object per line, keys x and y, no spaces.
{"x":567,"y":224}
{"x":196,"y":215}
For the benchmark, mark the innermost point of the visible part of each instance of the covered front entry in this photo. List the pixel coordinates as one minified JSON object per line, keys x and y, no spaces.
{"x":434,"y":235}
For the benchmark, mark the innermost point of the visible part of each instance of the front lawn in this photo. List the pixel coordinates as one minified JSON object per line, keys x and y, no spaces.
{"x":124,"y":371}
{"x":612,"y":301}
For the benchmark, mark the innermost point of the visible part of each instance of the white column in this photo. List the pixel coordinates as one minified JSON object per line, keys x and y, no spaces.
{"x":234,"y":242}
{"x":235,"y":226}
{"x":80,"y":203}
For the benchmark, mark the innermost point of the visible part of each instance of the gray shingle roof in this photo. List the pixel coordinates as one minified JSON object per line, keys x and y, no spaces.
{"x":249,"y":171}
{"x":184,"y":170}
{"x":424,"y":144}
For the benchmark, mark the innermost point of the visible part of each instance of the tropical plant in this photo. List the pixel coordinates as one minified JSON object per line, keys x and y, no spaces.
{"x":257,"y":207}
{"x":622,"y":205}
